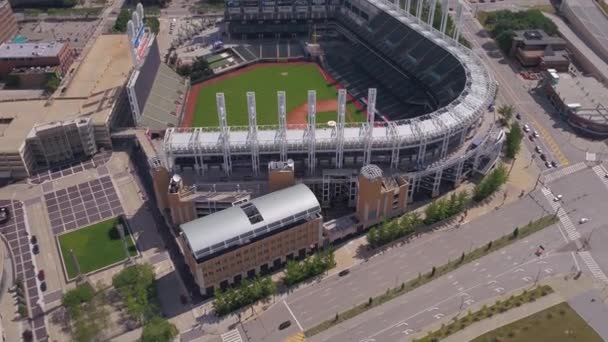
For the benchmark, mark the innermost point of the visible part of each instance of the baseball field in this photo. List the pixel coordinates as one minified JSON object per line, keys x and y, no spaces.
{"x":265,"y":80}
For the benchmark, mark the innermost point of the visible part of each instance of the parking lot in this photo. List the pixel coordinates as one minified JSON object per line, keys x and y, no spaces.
{"x":82,"y":204}
{"x":77,"y":33}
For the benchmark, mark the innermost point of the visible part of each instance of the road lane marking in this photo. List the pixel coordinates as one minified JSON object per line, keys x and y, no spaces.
{"x":379,"y":332}
{"x":231,"y":336}
{"x":294,"y":316}
{"x":438,"y":316}
{"x":593,"y":266}
{"x":578,"y":267}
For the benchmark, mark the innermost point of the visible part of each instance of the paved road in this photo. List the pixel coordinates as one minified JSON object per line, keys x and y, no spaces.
{"x":321,"y":301}
{"x":512,"y":268}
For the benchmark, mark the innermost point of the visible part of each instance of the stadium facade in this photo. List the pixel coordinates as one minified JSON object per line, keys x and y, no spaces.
{"x":456,"y":138}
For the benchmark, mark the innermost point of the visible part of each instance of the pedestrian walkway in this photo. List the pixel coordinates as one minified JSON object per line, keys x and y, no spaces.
{"x":601,"y":172}
{"x":563,"y":172}
{"x":593,"y":266}
{"x":589,"y":156}
{"x":232,"y":336}
{"x":564,"y":219}
{"x":299,"y":337}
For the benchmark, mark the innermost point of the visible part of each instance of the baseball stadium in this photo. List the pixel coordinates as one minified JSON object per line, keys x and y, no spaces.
{"x":333,"y":86}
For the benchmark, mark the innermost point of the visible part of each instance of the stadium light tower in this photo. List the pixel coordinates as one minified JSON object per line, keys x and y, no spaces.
{"x":310,"y":131}
{"x":419,"y":5}
{"x":369,"y":133}
{"x":458,"y":23}
{"x":340,"y":128}
{"x":281,"y":135}
{"x":253,"y":133}
{"x":444,"y":16}
{"x":224,"y":131}
{"x":431,"y":17}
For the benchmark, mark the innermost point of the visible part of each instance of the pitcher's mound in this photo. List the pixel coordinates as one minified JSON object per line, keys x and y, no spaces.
{"x":298,"y":115}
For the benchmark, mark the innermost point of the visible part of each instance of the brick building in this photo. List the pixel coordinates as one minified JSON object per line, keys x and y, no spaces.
{"x":252,"y":238}
{"x":32,"y":55}
{"x":8,"y":23}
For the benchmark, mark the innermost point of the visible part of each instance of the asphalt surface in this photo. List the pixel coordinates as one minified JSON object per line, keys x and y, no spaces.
{"x":316,"y":303}
{"x":512,"y":268}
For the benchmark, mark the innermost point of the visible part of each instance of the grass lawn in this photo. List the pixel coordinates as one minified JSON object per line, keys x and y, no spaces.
{"x":557,"y":323}
{"x":94,"y":246}
{"x":265,"y":81}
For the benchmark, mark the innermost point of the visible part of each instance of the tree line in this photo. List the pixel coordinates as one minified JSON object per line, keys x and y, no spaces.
{"x":503,"y":24}
{"x":320,"y":262}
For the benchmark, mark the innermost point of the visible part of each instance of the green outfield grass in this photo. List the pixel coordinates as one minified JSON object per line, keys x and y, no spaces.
{"x":265,"y":81}
{"x":95,"y":246}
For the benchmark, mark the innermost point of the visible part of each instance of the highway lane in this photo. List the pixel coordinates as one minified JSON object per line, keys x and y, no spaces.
{"x":511,"y":268}
{"x":320,"y":301}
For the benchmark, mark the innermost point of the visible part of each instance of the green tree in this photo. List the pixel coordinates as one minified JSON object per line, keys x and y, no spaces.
{"x":506,"y":113}
{"x":200,"y":69}
{"x":135,"y":284}
{"x":158,"y":330}
{"x":120,"y":25}
{"x":513,"y":141}
{"x":490,"y":183}
{"x":153,"y":24}
{"x":52,"y":83}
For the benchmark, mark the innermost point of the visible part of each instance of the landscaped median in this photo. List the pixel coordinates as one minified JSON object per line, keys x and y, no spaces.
{"x":518,"y":234}
{"x":486,"y":312}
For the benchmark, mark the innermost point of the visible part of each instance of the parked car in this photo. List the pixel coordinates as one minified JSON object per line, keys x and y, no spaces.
{"x":538,"y":149}
{"x":518,"y":116}
{"x":43,"y":286}
{"x":531,"y":137}
{"x":344,"y":272}
{"x":554,"y":163}
{"x":284,"y":325}
{"x":4,"y":215}
{"x":35,"y":249}
{"x":526,"y":128}
{"x":34,"y":240}
{"x":583,"y":220}
{"x":543,"y":157}
{"x":41,"y":275}
{"x":548,"y":165}
{"x":535,"y":134}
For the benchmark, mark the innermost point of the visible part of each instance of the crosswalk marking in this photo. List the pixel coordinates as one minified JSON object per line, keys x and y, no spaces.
{"x":593,"y":266}
{"x":601,"y":172}
{"x":232,"y":336}
{"x":299,"y":337}
{"x":571,"y":231}
{"x":565,"y":171}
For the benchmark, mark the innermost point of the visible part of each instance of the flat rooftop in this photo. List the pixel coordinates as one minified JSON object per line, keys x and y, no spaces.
{"x":589,"y":93}
{"x":91,"y":93}
{"x":592,"y":17}
{"x":22,"y":50}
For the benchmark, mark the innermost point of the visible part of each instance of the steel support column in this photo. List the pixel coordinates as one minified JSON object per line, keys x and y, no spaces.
{"x":436,"y":183}
{"x":431,"y":17}
{"x":458,"y":21}
{"x":419,"y":5}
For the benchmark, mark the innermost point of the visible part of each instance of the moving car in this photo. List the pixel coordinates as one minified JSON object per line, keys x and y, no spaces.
{"x":284,"y":325}
{"x":583,"y":220}
{"x":344,"y":272}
